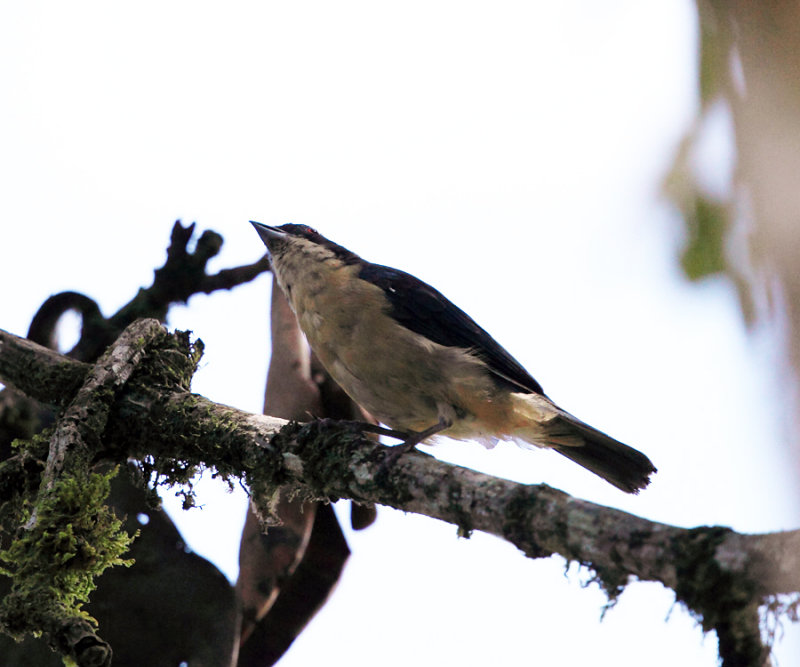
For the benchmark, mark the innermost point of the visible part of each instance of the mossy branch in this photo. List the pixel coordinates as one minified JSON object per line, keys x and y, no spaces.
{"x":69,"y":534}
{"x":720,"y":575}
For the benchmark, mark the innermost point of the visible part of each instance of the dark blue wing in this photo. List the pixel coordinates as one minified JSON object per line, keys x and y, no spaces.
{"x":424,"y":310}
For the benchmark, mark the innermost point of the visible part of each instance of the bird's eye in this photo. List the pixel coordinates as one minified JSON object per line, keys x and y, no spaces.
{"x":310,"y":230}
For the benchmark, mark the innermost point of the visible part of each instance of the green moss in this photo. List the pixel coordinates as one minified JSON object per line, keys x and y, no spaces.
{"x":702,"y":585}
{"x":37,"y":445}
{"x":171,"y":360}
{"x":520,"y":510}
{"x":53,"y":563}
{"x":455,"y":506}
{"x":718,"y":599}
{"x":523,"y":511}
{"x":66,"y":536}
{"x":20,"y":476}
{"x":612,"y":580}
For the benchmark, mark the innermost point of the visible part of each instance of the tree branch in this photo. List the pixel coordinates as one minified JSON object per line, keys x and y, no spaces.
{"x":71,"y":536}
{"x":720,"y":575}
{"x":86,"y":417}
{"x":183,"y":275}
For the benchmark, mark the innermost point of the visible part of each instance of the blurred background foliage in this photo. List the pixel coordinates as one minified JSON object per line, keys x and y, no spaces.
{"x":743,"y":224}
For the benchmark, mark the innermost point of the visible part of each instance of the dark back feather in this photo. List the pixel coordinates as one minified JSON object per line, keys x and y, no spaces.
{"x":426,"y":311}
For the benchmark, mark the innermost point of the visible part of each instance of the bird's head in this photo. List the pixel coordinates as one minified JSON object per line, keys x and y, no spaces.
{"x":297,"y":247}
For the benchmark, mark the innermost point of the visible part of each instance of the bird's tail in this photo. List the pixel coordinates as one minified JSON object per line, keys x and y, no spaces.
{"x":623,"y":466}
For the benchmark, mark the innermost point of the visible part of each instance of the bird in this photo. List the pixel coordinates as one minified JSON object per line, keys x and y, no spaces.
{"x":423,"y":367}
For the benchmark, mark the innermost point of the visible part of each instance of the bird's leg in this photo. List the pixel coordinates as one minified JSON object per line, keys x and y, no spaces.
{"x":382,"y":430}
{"x":411,"y":440}
{"x":366,"y":427}
{"x":415,"y":437}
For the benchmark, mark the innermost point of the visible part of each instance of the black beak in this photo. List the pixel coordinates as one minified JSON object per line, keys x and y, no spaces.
{"x":268,"y":233}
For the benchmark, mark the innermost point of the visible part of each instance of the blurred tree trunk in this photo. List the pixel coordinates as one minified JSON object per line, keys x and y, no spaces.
{"x":287,"y":572}
{"x":750,"y":63}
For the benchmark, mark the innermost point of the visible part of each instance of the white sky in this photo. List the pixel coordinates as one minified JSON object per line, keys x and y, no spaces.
{"x":510,"y":153}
